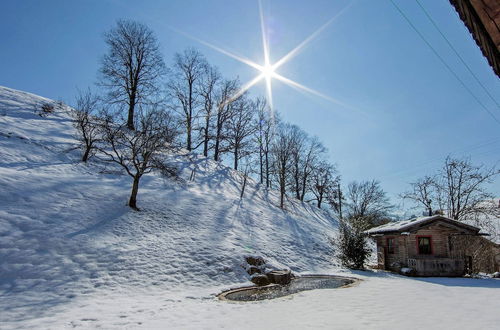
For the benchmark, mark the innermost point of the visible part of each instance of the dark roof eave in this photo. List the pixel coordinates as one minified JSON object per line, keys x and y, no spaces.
{"x":470,"y":18}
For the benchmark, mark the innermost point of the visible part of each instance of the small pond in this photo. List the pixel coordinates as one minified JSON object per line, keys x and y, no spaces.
{"x":302,"y":283}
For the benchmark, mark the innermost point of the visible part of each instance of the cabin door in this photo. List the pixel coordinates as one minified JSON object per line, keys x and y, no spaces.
{"x":381,"y":257}
{"x":468,"y":264}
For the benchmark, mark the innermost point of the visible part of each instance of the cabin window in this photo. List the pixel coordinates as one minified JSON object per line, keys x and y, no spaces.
{"x":390,"y":245}
{"x":424,"y":245}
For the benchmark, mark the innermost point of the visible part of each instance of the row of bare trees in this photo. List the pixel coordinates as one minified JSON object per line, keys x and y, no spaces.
{"x":299,"y":164}
{"x":146,"y":110}
{"x":201,"y":110}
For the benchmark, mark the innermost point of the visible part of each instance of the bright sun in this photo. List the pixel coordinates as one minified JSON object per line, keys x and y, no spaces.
{"x":267,"y":71}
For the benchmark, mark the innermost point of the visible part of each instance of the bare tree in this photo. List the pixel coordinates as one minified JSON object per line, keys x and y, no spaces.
{"x":463,"y":184}
{"x":225,"y":110}
{"x":335,"y":197}
{"x":240,"y":127}
{"x":142,"y":150}
{"x":367,"y":204}
{"x":424,"y":192}
{"x":207,"y":90}
{"x":323,"y":181}
{"x":458,"y":189}
{"x":245,"y":175}
{"x":264,"y":136}
{"x":282,"y":149}
{"x":132,"y":67}
{"x":298,"y":141}
{"x":87,"y":123}
{"x":306,"y":154}
{"x":189,"y":68}
{"x":311,"y":162}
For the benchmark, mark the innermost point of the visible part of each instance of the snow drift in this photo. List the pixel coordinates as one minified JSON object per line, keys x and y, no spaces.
{"x":65,"y":229}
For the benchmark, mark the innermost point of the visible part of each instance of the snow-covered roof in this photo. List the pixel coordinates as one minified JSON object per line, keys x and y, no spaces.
{"x":402,"y":226}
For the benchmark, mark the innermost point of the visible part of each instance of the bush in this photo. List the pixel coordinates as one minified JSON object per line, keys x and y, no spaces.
{"x":45,"y":108}
{"x":352,"y":249}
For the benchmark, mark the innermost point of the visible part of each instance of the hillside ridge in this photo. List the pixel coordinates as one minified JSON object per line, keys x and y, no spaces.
{"x":65,"y":229}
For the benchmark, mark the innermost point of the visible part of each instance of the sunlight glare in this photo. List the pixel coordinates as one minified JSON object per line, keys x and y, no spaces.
{"x":268,"y":70}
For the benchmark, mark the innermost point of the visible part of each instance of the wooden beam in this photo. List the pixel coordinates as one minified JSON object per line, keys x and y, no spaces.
{"x":482,"y":18}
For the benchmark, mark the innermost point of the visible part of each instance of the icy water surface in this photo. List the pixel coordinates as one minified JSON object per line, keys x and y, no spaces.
{"x":303,"y":283}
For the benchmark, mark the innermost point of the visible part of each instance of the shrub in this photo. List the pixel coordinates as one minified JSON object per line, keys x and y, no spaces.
{"x":352,"y":249}
{"x":45,"y":108}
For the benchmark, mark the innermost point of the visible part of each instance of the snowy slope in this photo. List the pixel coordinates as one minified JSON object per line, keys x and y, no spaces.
{"x":72,"y":255}
{"x":65,"y":231}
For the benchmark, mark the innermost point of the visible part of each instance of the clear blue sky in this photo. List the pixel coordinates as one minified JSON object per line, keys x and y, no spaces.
{"x":411,"y":111}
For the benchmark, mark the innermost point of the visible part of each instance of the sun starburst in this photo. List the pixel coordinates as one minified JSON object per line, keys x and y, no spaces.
{"x":267,"y":71}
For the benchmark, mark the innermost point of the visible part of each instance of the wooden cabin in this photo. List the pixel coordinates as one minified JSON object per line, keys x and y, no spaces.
{"x":427,"y":246}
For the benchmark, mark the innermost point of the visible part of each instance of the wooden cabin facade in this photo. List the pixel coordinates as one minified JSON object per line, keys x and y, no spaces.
{"x":428,"y":246}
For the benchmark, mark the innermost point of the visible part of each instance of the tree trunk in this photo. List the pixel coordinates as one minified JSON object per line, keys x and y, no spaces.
{"x":244,"y":184}
{"x":236,"y":158}
{"x":320,"y":198}
{"x":205,"y":142}
{"x":131,"y":109}
{"x":86,"y":154}
{"x":217,"y":145}
{"x":261,"y":163}
{"x":267,"y":170}
{"x":133,"y":196}
{"x":297,"y":183}
{"x":340,"y":200}
{"x":304,"y":184}
{"x":188,"y":128}
{"x":282,"y":187}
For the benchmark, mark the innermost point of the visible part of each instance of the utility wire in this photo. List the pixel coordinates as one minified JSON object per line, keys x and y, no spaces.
{"x":419,"y":166}
{"x":456,"y":53}
{"x":444,"y":62}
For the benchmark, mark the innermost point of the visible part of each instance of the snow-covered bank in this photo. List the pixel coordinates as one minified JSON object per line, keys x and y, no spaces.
{"x":380,"y":301}
{"x":66,"y":232}
{"x":73,"y":255}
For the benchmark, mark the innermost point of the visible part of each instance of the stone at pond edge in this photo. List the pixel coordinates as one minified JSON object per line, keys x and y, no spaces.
{"x":254,"y":270}
{"x":280,"y":276}
{"x":260,"y":280}
{"x":255,"y":261}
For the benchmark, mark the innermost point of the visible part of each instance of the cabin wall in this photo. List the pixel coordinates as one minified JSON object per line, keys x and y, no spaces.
{"x":484,"y":255}
{"x":392,"y":261}
{"x":439,"y":242}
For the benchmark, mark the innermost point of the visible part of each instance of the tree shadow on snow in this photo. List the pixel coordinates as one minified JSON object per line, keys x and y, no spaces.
{"x":462,"y":282}
{"x":445,"y":281}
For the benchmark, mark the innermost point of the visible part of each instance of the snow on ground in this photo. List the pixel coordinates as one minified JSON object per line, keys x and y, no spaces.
{"x":380,"y":301}
{"x":73,"y":255}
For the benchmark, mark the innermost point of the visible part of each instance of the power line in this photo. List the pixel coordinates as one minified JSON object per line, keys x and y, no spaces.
{"x":465,"y":150}
{"x":456,"y":53}
{"x":444,"y":62}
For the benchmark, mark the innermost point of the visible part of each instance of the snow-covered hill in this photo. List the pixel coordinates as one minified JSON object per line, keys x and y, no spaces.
{"x":65,"y":230}
{"x":73,"y":255}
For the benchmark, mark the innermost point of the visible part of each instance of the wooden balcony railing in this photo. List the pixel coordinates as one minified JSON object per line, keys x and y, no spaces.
{"x":437,"y":266}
